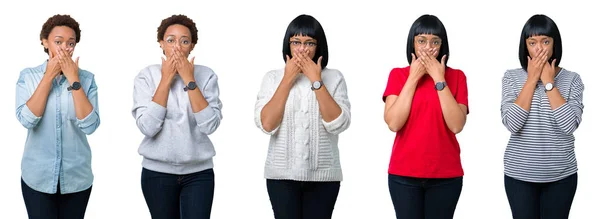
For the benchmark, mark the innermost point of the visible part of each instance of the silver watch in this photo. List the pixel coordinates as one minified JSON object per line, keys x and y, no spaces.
{"x":549,"y":86}
{"x":316,"y":85}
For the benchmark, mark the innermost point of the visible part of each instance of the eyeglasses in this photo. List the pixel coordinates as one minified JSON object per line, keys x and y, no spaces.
{"x":306,"y":44}
{"x":432,"y":43}
{"x":183,"y":42}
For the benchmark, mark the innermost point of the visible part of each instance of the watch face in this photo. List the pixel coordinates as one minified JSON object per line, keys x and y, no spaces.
{"x":192,"y":85}
{"x":439,"y":86}
{"x":316,"y":85}
{"x":76,"y":85}
{"x":549,"y":86}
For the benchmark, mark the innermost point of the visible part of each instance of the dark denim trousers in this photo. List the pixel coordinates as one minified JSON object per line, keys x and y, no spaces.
{"x":422,"y":198}
{"x":540,"y":200}
{"x":170,"y":196}
{"x":302,"y":200}
{"x":55,"y":206}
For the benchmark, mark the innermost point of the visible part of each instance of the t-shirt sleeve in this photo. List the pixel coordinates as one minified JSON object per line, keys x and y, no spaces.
{"x":462,"y":93}
{"x":395,"y":83}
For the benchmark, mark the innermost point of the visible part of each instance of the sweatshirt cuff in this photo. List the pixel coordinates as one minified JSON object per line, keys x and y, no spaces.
{"x":157,"y":111}
{"x":204,"y":115}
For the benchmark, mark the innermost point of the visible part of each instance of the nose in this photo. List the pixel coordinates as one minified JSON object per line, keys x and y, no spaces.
{"x":426,"y":45}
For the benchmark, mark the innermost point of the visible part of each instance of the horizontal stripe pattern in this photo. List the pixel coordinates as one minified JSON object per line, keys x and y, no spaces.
{"x":541,"y":146}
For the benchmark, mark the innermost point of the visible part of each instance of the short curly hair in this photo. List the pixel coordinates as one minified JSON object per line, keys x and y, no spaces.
{"x":59,"y":20}
{"x":177,"y":19}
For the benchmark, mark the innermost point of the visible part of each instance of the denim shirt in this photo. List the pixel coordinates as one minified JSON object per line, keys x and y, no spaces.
{"x":56,"y":149}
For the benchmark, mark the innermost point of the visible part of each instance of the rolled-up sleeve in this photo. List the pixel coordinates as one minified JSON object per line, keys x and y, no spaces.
{"x":209,"y":118}
{"x":90,"y":123}
{"x":149,"y":116}
{"x":513,"y":116}
{"x":266,"y":92}
{"x":568,"y":115}
{"x":342,"y":122}
{"x":23,"y":93}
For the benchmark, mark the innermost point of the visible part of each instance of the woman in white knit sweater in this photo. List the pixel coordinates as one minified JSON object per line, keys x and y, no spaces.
{"x":303,"y":107}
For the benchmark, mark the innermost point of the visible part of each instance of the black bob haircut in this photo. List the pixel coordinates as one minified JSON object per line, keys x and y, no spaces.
{"x":540,"y":25}
{"x":306,"y":25}
{"x":428,"y":24}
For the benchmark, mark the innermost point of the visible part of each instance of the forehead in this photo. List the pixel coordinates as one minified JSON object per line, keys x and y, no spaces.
{"x":62,"y":31}
{"x":177,"y":29}
{"x":303,"y":38}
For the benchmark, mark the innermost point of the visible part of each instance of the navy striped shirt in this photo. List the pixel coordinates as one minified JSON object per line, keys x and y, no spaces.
{"x":541,"y":146}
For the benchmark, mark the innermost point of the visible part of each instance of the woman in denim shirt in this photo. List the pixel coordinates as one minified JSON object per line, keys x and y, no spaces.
{"x":58,"y":104}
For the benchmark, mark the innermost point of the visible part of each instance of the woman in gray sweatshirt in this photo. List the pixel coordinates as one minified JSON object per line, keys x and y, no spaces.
{"x":176,"y":106}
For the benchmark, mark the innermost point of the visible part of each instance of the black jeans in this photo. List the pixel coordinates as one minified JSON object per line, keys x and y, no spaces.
{"x":421,"y":198}
{"x":170,"y":196}
{"x":302,"y":200}
{"x":540,"y":200}
{"x":55,"y":206}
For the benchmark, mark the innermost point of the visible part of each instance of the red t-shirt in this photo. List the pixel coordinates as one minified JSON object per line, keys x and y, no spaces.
{"x":425,"y":147}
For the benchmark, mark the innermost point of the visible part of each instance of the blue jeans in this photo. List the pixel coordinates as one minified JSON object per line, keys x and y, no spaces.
{"x":302,"y":200}
{"x":422,"y":198}
{"x":55,"y":206}
{"x":540,"y":200}
{"x":171,"y":196}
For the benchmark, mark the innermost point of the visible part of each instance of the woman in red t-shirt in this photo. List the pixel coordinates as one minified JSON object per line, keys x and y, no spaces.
{"x":426,"y":105}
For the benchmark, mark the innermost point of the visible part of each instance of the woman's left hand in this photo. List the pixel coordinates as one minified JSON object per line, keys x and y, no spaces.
{"x":184,"y":67}
{"x":69,"y":67}
{"x":435,"y":69}
{"x":311,"y":69}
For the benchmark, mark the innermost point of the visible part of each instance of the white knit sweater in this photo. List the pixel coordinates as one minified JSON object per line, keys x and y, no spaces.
{"x":304,"y":147}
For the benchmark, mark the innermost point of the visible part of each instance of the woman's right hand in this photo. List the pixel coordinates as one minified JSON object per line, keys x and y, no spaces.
{"x":291,"y":69}
{"x":536,"y":64}
{"x":53,"y":66}
{"x":417,"y":70}
{"x":168,"y":69}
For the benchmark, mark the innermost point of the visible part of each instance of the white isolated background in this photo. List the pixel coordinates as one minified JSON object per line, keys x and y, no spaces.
{"x":241,"y":41}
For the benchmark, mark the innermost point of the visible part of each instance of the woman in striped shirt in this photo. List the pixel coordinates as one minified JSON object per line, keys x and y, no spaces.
{"x":541,"y":107}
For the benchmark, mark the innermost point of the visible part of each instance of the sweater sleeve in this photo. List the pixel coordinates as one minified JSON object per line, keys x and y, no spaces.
{"x":568,"y":115}
{"x":342,"y":122}
{"x":513,"y":116}
{"x":266,"y":92}
{"x":209,"y":118}
{"x":149,"y":116}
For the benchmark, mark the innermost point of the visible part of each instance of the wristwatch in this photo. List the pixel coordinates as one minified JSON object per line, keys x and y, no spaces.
{"x":75,"y":86}
{"x":440,"y":85}
{"x":191,"y":86}
{"x":316,"y":85}
{"x":549,"y":86}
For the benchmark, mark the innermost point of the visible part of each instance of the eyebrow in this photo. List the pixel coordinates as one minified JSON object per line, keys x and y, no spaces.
{"x":171,"y":35}
{"x":433,"y":38}
{"x":72,"y":38}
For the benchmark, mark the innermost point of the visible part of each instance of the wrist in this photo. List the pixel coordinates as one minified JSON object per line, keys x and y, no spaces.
{"x":438,"y":78}
{"x":547,"y":80}
{"x":289,"y":79}
{"x":73,"y":79}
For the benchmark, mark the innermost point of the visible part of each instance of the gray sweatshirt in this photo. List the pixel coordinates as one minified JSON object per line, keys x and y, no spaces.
{"x":176,"y":139}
